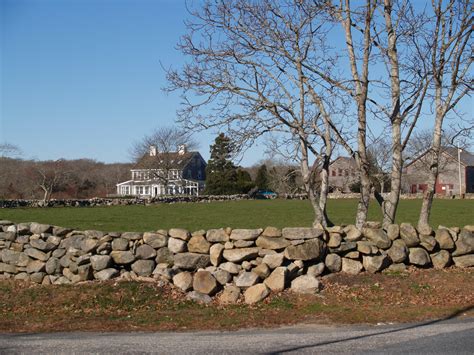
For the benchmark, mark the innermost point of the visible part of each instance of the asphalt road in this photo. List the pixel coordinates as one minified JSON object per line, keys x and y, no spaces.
{"x":454,"y":336}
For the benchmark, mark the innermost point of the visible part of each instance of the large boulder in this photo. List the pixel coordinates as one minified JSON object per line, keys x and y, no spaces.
{"x":223,"y":277}
{"x":230,"y":295}
{"x":419,"y":257}
{"x":378,"y":237}
{"x":53,"y":266}
{"x":155,"y":240}
{"x":215,"y":253}
{"x":465,"y":243}
{"x":352,"y":267}
{"x":100,"y":262}
{"x":183,"y":280}
{"x":376,"y":263}
{"x":179,"y":233}
{"x":119,"y":244}
{"x":246,"y":279}
{"x":464,"y":261}
{"x":333,"y":262}
{"x":310,"y":250}
{"x":409,"y":235}
{"x":131,"y":236}
{"x":35,"y":266}
{"x":441,"y":259}
{"x":145,"y":251}
{"x":428,"y":242}
{"x":177,"y":245}
{"x":353,"y":234}
{"x":37,"y":254}
{"x":164,"y":256}
{"x":271,"y":232}
{"x":272,"y":243}
{"x":230,"y":267}
{"x":256,"y":293}
{"x":273,"y":260}
{"x":122,"y":257}
{"x":204,"y":282}
{"x":277,"y":279}
{"x":398,"y":252}
{"x":37,"y":228}
{"x":217,"y":236}
{"x":444,"y":239}
{"x":302,"y":233}
{"x":306,"y":284}
{"x":241,"y":254}
{"x":198,"y":244}
{"x":191,"y":261}
{"x":393,"y":231}
{"x":245,"y":234}
{"x":143,"y":267}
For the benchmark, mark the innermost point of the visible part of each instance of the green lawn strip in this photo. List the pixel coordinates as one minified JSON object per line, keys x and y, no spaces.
{"x":235,"y":214}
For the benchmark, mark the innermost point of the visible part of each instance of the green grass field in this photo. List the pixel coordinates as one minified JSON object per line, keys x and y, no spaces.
{"x":236,"y":214}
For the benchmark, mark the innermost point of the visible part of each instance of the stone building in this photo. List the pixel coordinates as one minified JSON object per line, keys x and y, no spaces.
{"x":342,"y":174}
{"x":166,"y":173}
{"x":456,"y":173}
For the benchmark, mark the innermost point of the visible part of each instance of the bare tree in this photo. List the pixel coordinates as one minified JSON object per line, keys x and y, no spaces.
{"x":48,"y":176}
{"x":248,"y":68}
{"x":449,"y":44}
{"x":8,"y":150}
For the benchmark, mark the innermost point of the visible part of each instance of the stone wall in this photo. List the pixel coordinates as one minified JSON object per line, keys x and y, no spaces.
{"x":227,"y":263}
{"x":98,"y":202}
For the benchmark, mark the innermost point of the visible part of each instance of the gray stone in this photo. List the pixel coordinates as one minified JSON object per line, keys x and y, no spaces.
{"x":217,"y":236}
{"x":352,"y":233}
{"x":223,"y":277}
{"x":94,"y":234}
{"x":37,"y":277}
{"x":199,"y":244}
{"x":262,"y":270}
{"x":53,"y":266}
{"x":89,"y":245}
{"x":316,"y":270}
{"x":145,"y":252}
{"x":238,"y":255}
{"x":277,"y":279}
{"x":84,"y":272}
{"x":352,"y":267}
{"x":37,"y":228}
{"x":61,"y":231}
{"x":164,"y":271}
{"x":143,"y":267}
{"x":464,"y":261}
{"x":59,"y":253}
{"x":73,"y":241}
{"x":393,"y":231}
{"x":309,"y":250}
{"x":306,"y":284}
{"x":100,"y":262}
{"x":164,"y":255}
{"x":272,"y":243}
{"x":204,"y":282}
{"x":119,"y":244}
{"x":409,"y":235}
{"x":396,"y":268}
{"x":131,"y":236}
{"x":14,"y":257}
{"x":344,"y":247}
{"x":106,"y":274}
{"x":428,"y":242}
{"x":398,"y":252}
{"x":35,"y":266}
{"x":155,"y":240}
{"x":245,"y":234}
{"x":244,"y":243}
{"x":83,"y":259}
{"x":367,"y":247}
{"x":302,"y":233}
{"x":36,"y":254}
{"x":419,"y":257}
{"x":179,"y":233}
{"x":441,"y":259}
{"x":273,"y":260}
{"x":184,"y":281}
{"x":215,"y":253}
{"x":335,"y":240}
{"x":11,"y":269}
{"x":176,"y":245}
{"x":198,"y":297}
{"x":352,"y":255}
{"x":228,"y":245}
{"x":378,"y":237}
{"x":256,"y":293}
{"x":465,"y":243}
{"x":191,"y":261}
{"x":271,"y":232}
{"x":246,"y":279}
{"x":333,"y":262}
{"x":444,"y":239}
{"x":375,"y":264}
{"x":9,"y":236}
{"x":425,"y":229}
{"x":230,"y":267}
{"x":230,"y":295}
{"x":122,"y":257}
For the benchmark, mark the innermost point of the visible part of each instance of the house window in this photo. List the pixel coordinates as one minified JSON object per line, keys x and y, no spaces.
{"x":147,"y":190}
{"x":333,"y":172}
{"x":125,"y":190}
{"x":199,"y":174}
{"x":139,"y":190}
{"x":190,"y":174}
{"x":346,"y":172}
{"x":339,"y":172}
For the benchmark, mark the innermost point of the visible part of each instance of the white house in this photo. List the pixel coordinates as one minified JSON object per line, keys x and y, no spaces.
{"x":166,"y":173}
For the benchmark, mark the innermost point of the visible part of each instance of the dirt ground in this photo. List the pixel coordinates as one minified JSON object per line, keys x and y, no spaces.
{"x":132,"y":306}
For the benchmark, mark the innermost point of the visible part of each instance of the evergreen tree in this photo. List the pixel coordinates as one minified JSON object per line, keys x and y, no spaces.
{"x":262,"y":179}
{"x":221,"y":173}
{"x":244,"y":181}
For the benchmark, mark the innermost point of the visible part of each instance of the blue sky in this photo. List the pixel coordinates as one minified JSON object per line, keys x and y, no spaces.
{"x":83,"y":79}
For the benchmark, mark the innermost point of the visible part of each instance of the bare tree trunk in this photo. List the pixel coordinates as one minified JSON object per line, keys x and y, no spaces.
{"x":324,"y":190}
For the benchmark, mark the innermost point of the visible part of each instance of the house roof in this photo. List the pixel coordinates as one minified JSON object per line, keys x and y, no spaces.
{"x":345,"y":160}
{"x":170,"y":160}
{"x":467,"y":158}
